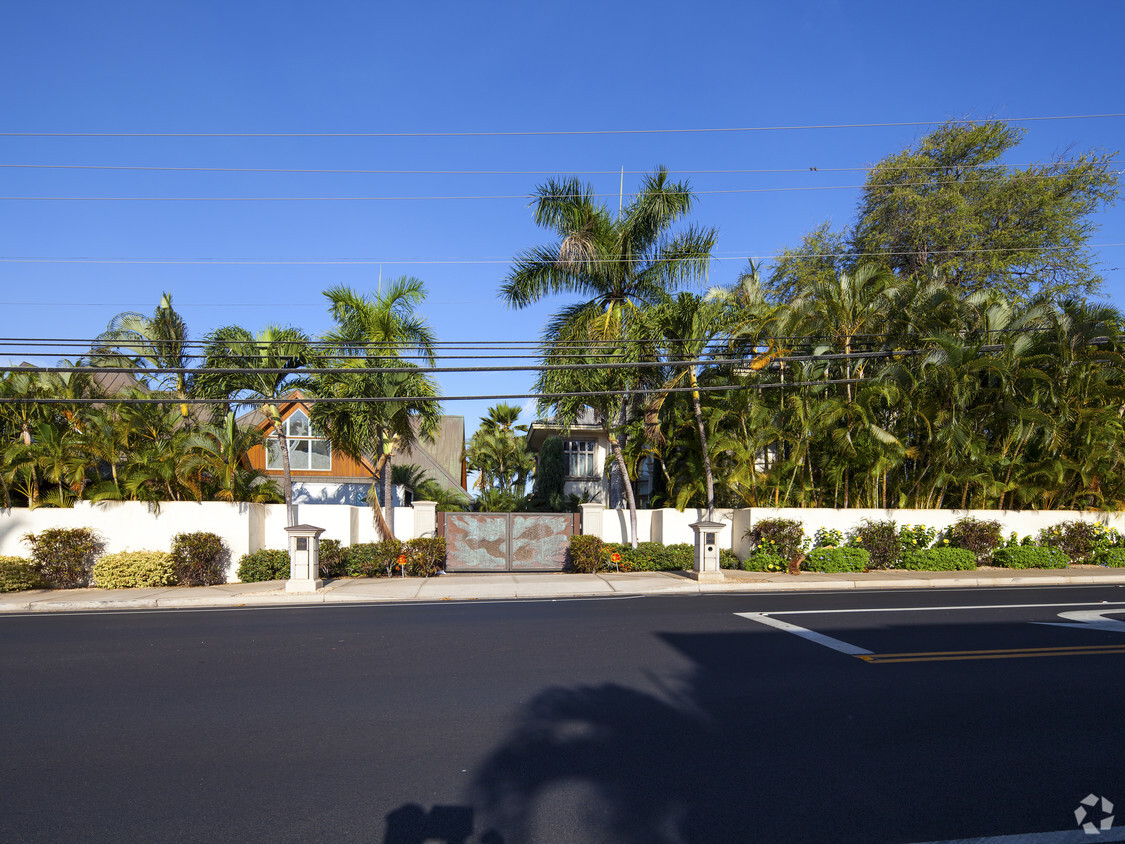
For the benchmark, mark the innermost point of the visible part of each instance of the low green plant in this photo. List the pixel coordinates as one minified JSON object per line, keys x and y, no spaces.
{"x":333,"y":558}
{"x":64,"y":557}
{"x":980,"y":536}
{"x":264,"y":564}
{"x":728,"y":559}
{"x":939,"y":559}
{"x":828,"y":538}
{"x":1078,"y":540}
{"x":134,"y":570}
{"x":783,"y":537}
{"x":18,"y":575}
{"x":586,"y":555}
{"x":425,"y":556}
{"x":764,"y":561}
{"x":372,"y":559}
{"x":832,"y":560}
{"x":1029,"y":557}
{"x":880,"y":540}
{"x":200,"y":559}
{"x":1112,"y":557}
{"x":913,"y":538}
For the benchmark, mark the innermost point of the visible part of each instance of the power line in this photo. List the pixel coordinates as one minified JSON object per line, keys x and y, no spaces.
{"x":556,"y":172}
{"x":522,"y":196}
{"x":730,"y":255}
{"x":543,"y":133}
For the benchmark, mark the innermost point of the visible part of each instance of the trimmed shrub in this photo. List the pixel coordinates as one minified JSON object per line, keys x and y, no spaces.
{"x":264,"y":564}
{"x":372,"y":559}
{"x":18,"y":575}
{"x":980,"y":536}
{"x":939,"y":559}
{"x":134,"y":570}
{"x":783,"y":537}
{"x":333,"y":558}
{"x":425,"y":556}
{"x":832,"y":560}
{"x":1112,"y":557}
{"x":1029,"y":557}
{"x":652,"y":556}
{"x":200,"y":559}
{"x":64,"y":557}
{"x":764,"y":561}
{"x":880,"y":540}
{"x":1077,"y":540}
{"x":586,"y":555}
{"x":728,"y":559}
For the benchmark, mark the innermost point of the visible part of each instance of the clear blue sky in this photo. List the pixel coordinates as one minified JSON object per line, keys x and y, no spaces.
{"x":182,"y":67}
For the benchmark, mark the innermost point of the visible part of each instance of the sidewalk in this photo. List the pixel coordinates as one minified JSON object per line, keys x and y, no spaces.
{"x":481,"y":587}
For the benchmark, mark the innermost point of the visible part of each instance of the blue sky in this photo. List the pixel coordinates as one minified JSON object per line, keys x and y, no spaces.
{"x":339,"y":67}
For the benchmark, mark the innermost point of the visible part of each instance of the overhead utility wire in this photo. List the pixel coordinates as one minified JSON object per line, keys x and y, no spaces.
{"x":381,"y":399}
{"x":526,"y":133}
{"x":736,"y":256}
{"x":479,"y":196}
{"x":555,"y":172}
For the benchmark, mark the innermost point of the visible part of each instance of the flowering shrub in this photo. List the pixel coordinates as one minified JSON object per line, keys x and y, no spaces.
{"x":828,"y":538}
{"x":783,"y":537}
{"x":586,"y":554}
{"x":1113,"y":557}
{"x":134,"y":569}
{"x":764,"y":561}
{"x":915,"y":538}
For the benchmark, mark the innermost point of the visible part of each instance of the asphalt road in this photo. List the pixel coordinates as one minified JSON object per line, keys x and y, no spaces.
{"x":853,"y":716}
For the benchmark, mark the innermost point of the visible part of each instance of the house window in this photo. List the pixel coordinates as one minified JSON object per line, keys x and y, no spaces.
{"x":306,"y":452}
{"x":580,"y":459}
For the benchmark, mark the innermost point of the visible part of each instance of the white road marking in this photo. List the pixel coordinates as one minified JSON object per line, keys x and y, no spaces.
{"x":805,"y":633}
{"x":1070,"y":836}
{"x":843,"y":647}
{"x":1088,"y":620}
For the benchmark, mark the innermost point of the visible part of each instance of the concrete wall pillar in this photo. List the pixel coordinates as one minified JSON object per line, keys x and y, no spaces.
{"x":593,"y":517}
{"x":425,"y":519}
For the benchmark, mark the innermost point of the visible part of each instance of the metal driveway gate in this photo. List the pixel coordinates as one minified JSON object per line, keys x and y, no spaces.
{"x":506,"y":541}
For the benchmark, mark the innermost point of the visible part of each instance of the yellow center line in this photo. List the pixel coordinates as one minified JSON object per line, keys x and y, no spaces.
{"x":1009,"y":653}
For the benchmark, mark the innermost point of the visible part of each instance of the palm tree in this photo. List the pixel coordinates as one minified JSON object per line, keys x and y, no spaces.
{"x":160,"y":342}
{"x":498,"y":455}
{"x":259,"y":357}
{"x":377,"y":332}
{"x":615,"y":265}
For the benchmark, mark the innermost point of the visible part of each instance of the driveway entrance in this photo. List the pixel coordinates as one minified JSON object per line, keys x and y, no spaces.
{"x":506,"y":541}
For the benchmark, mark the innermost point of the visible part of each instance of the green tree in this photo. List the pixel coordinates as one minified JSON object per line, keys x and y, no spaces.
{"x":499,"y":454}
{"x":948,"y":206}
{"x":376,"y":333}
{"x":615,"y":265}
{"x":268,"y":364}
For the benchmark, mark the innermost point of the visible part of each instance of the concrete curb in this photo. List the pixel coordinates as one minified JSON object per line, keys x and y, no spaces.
{"x":520,"y":587}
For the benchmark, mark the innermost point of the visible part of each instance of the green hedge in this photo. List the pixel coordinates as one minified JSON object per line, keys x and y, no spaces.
{"x":372,"y":559}
{"x":200,"y":558}
{"x":834,"y":560}
{"x":1112,"y":557}
{"x":333,"y":558}
{"x":586,"y":555}
{"x":18,"y":575}
{"x":939,"y":559}
{"x":264,"y":564}
{"x":64,"y":557}
{"x":425,"y":556}
{"x":1029,"y":557}
{"x":134,"y":570}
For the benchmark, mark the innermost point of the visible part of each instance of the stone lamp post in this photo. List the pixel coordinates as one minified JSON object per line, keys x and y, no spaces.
{"x":304,"y":558}
{"x":706,"y":569}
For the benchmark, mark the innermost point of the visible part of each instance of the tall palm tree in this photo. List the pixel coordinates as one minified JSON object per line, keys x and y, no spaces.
{"x":376,"y":332}
{"x":268,"y":361}
{"x":616,"y":265}
{"x":160,"y":342}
